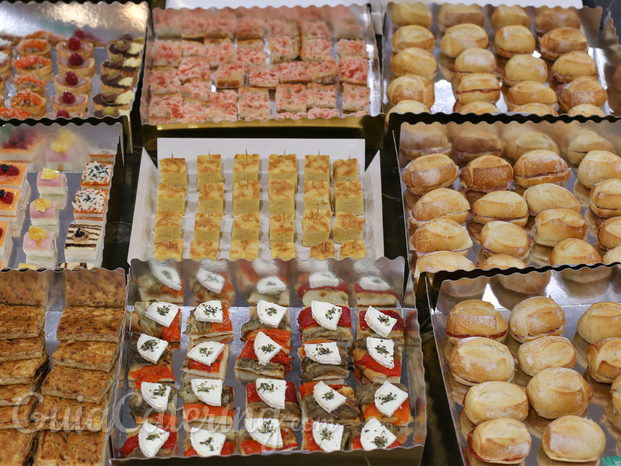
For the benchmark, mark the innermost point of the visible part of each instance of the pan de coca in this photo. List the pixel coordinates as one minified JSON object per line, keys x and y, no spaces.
{"x":604,"y":360}
{"x":584,"y":142}
{"x":524,"y":68}
{"x":555,"y":225}
{"x":429,"y":172}
{"x":461,"y":37}
{"x":505,"y":238}
{"x":598,"y":165}
{"x":477,"y":359}
{"x":414,"y":61}
{"x":601,"y":320}
{"x":557,"y":392}
{"x":471,"y":142}
{"x":501,"y":441}
{"x":501,"y":205}
{"x":411,"y":87}
{"x":572,"y":65}
{"x":525,"y":142}
{"x":413,"y":36}
{"x":526,"y":92}
{"x":476,"y":107}
{"x":562,"y":40}
{"x":513,"y":40}
{"x":441,"y":234}
{"x":507,"y":15}
{"x":474,"y":87}
{"x":545,"y":352}
{"x":440,"y":203}
{"x":417,"y":13}
{"x":454,"y":14}
{"x":536,"y":317}
{"x":573,"y":439}
{"x":495,"y":400}
{"x":586,"y":110}
{"x":557,"y":17}
{"x":540,"y":166}
{"x":535,"y":108}
{"x":475,"y":318}
{"x":574,"y":251}
{"x":606,"y":198}
{"x":609,"y":233}
{"x":486,"y":174}
{"x":582,"y":90}
{"x":548,"y":196}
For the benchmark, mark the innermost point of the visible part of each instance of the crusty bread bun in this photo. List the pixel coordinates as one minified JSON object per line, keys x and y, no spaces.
{"x":461,"y":37}
{"x":495,"y":400}
{"x":528,"y":283}
{"x":524,"y":68}
{"x":513,"y":40}
{"x":583,"y":90}
{"x":501,"y":205}
{"x":540,"y":166}
{"x":586,"y":110}
{"x":545,"y":352}
{"x":474,"y":87}
{"x":548,"y":196}
{"x":536,"y":317}
{"x":525,"y":142}
{"x":429,"y":172}
{"x":609,"y":234}
{"x":475,"y":318}
{"x":454,"y":14}
{"x":472,"y":142}
{"x":441,"y":261}
{"x":417,"y":13}
{"x":555,"y":225}
{"x":557,"y":392}
{"x":535,"y":108}
{"x":584,"y":142}
{"x":475,"y":60}
{"x":572,"y":65}
{"x":613,"y":256}
{"x":413,"y":36}
{"x":440,"y":203}
{"x":486,"y":174}
{"x":505,"y":238}
{"x":601,"y":320}
{"x":526,"y":92}
{"x":411,"y":87}
{"x":476,"y":107}
{"x":414,"y":61}
{"x":478,"y":359}
{"x":504,"y":15}
{"x":598,"y":165}
{"x":420,"y":139}
{"x":574,"y":439}
{"x":562,"y":40}
{"x":606,"y":198}
{"x":406,"y":106}
{"x":604,"y":360}
{"x":501,"y":261}
{"x":501,"y":441}
{"x":548,"y":19}
{"x":615,"y":390}
{"x":441,"y":234}
{"x":574,"y":251}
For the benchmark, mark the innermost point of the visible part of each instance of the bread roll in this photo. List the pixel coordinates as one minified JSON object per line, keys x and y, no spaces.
{"x":574,"y":439}
{"x":472,"y":142}
{"x":477,"y":107}
{"x":557,"y":17}
{"x":536,"y":317}
{"x":604,"y":360}
{"x":613,"y":256}
{"x":418,"y":13}
{"x":615,"y":390}
{"x":501,"y":205}
{"x":555,"y":225}
{"x":475,"y":60}
{"x":507,"y":15}
{"x":486,"y":174}
{"x":429,"y":172}
{"x":548,"y":196}
{"x":562,"y":40}
{"x":582,"y":90}
{"x":606,"y":198}
{"x":411,"y":87}
{"x":501,"y":261}
{"x":406,"y":106}
{"x":525,"y":142}
{"x":574,"y":251}
{"x":461,"y":37}
{"x":545,"y":352}
{"x":495,"y":400}
{"x":557,"y":392}
{"x":505,"y":238}
{"x":535,"y":108}
{"x":441,"y":234}
{"x":477,"y":359}
{"x":504,"y":441}
{"x":420,"y":139}
{"x":475,"y":318}
{"x":602,"y":320}
{"x":457,"y":14}
{"x":609,"y":233}
{"x":413,"y":36}
{"x":477,"y":87}
{"x":584,"y":142}
{"x":586,"y":110}
{"x":524,"y":68}
{"x":440,"y":203}
{"x":513,"y":40}
{"x":598,"y":165}
{"x":414,"y":61}
{"x":441,"y":261}
{"x":574,"y":65}
{"x":526,"y":92}
{"x":540,"y":166}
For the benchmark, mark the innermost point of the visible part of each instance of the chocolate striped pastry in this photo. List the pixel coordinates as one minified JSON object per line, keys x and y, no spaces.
{"x":84,"y":243}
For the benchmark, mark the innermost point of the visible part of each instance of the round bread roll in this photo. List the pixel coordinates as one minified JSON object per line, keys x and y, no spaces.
{"x":606,"y":198}
{"x":598,"y":165}
{"x":540,"y":166}
{"x":574,"y":439}
{"x":406,"y":106}
{"x":508,"y":15}
{"x":525,"y":142}
{"x":583,"y":143}
{"x":429,"y":172}
{"x":504,"y":441}
{"x":501,"y":261}
{"x":586,"y":110}
{"x":475,"y":87}
{"x":548,"y":196}
{"x":473,"y":142}
{"x":513,"y":40}
{"x":501,"y":205}
{"x":545,"y":352}
{"x":413,"y":36}
{"x":609,"y":234}
{"x":477,"y":359}
{"x":529,"y":283}
{"x":557,"y":392}
{"x":604,"y":360}
{"x":526,"y":92}
{"x":475,"y":318}
{"x":478,"y":108}
{"x":495,"y":400}
{"x":441,"y":261}
{"x":475,"y":60}
{"x":418,"y":13}
{"x":562,"y":40}
{"x":456,"y":14}
{"x":486,"y":174}
{"x":613,"y":256}
{"x":524,"y":68}
{"x":536,"y":317}
{"x":583,"y":90}
{"x":440,"y":203}
{"x":411,"y":87}
{"x":574,"y":65}
{"x":461,"y":37}
{"x":574,"y":251}
{"x":418,"y":140}
{"x":505,"y":238}
{"x":615,"y":390}
{"x":602,"y":320}
{"x":548,"y":19}
{"x":555,"y":225}
{"x":441,"y":234}
{"x":535,"y":108}
{"x":414,"y":61}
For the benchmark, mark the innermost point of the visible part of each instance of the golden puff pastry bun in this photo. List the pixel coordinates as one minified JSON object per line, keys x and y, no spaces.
{"x":501,"y":441}
{"x":506,"y":206}
{"x":604,"y":360}
{"x":411,"y":87}
{"x":582,"y":90}
{"x":586,"y":110}
{"x":505,"y":238}
{"x":455,"y":14}
{"x":574,"y":251}
{"x":573,"y":65}
{"x":574,"y":439}
{"x":495,"y":400}
{"x":524,"y":67}
{"x":441,"y":234}
{"x":513,"y":40}
{"x":508,"y":15}
{"x":440,"y":203}
{"x":584,"y":142}
{"x":536,"y":317}
{"x":557,"y":17}
{"x":544,"y":353}
{"x":475,"y":318}
{"x":540,"y":166}
{"x":609,"y":233}
{"x":414,"y":61}
{"x":562,"y":40}
{"x":526,"y":142}
{"x":476,"y":360}
{"x":557,"y":392}
{"x":486,"y":174}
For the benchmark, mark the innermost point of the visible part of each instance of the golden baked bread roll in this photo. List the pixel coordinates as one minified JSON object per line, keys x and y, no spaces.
{"x":601,"y":320}
{"x":475,"y":87}
{"x":501,"y":205}
{"x":605,"y":198}
{"x":495,"y":400}
{"x":557,"y":392}
{"x":501,"y":261}
{"x":486,"y":174}
{"x":505,"y":238}
{"x":574,"y":439}
{"x":414,"y":61}
{"x":475,"y":60}
{"x":475,"y":318}
{"x":545,"y":352}
{"x":598,"y":165}
{"x":477,"y":359}
{"x":535,"y":108}
{"x":524,"y":68}
{"x":411,"y":87}
{"x":562,"y":40}
{"x":442,"y":261}
{"x":584,"y":142}
{"x":525,"y":142}
{"x":604,"y":360}
{"x":406,"y":106}
{"x":548,"y":196}
{"x":454,"y":14}
{"x":429,"y":172}
{"x":526,"y":92}
{"x":476,"y":107}
{"x":573,"y":65}
{"x":504,"y":15}
{"x":555,"y":225}
{"x":609,"y":234}
{"x":557,"y":17}
{"x":418,"y":13}
{"x":420,"y":139}
{"x":586,"y":110}
{"x":413,"y":36}
{"x":582,"y":90}
{"x":461,"y":37}
{"x":504,"y":441}
{"x":513,"y":40}
{"x":440,"y":203}
{"x":574,"y":251}
{"x":536,"y":317}
{"x":472,"y":141}
{"x":441,"y":234}
{"x":540,"y":166}
{"x":612,"y":256}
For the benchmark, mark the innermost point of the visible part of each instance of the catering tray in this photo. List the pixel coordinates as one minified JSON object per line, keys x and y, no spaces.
{"x":141,"y":238}
{"x":413,"y":377}
{"x":367,"y":126}
{"x":603,"y":52}
{"x":568,"y":288}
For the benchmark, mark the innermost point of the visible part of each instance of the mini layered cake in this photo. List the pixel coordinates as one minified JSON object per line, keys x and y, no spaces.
{"x":44,"y":214}
{"x":12,"y":202}
{"x":128,"y":67}
{"x":90,"y":205}
{"x":63,"y":151}
{"x":13,"y":175}
{"x":6,"y":244}
{"x":125,"y":46}
{"x":84,"y":244}
{"x":40,"y":248}
{"x":96,"y":175}
{"x":52,"y":185}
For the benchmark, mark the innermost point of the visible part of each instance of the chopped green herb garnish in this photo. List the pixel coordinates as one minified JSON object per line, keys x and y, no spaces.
{"x":151,"y":437}
{"x":380,"y":441}
{"x":384,"y":319}
{"x":149,"y":345}
{"x":206,"y":351}
{"x":160,"y":391}
{"x":163,"y":310}
{"x":326,"y":434}
{"x":322,"y":350}
{"x":266,"y":387}
{"x":270,"y":311}
{"x":328,"y":395}
{"x":388,"y":398}
{"x":266,"y":428}
{"x":381,"y":349}
{"x":268,"y":348}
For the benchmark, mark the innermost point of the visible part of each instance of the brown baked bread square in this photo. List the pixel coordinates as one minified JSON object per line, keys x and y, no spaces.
{"x":27,"y":288}
{"x":21,"y":321}
{"x":90,"y":355}
{"x":72,"y":383}
{"x":95,"y":288}
{"x":71,"y":448}
{"x":22,"y":348}
{"x":17,"y":417}
{"x":24,"y":371}
{"x":11,"y":395}
{"x":62,"y":414}
{"x":15,"y":446}
{"x":90,"y":324}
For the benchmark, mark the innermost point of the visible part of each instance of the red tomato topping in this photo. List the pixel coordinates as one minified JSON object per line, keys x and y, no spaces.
{"x":305,"y":318}
{"x":252,"y":396}
{"x":172,"y":334}
{"x":199,"y":411}
{"x":368,"y":362}
{"x":395,"y":314}
{"x":402,"y":413}
{"x":151,"y":374}
{"x":31,"y":61}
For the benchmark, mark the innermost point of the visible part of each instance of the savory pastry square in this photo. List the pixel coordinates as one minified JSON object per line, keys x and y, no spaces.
{"x":159,"y":319}
{"x":16,"y":446}
{"x":323,"y":360}
{"x":97,"y":288}
{"x":348,"y":197}
{"x":89,"y":355}
{"x":161,"y":283}
{"x":314,"y":30}
{"x":380,"y":323}
{"x":84,"y":448}
{"x":246,"y":226}
{"x":325,"y":436}
{"x":323,"y":320}
{"x":281,"y":195}
{"x":282,"y":228}
{"x":283,"y":48}
{"x":316,"y":226}
{"x":209,"y":169}
{"x":207,"y":359}
{"x":211,"y":198}
{"x":317,"y":50}
{"x":150,"y":360}
{"x":23,"y":371}
{"x":263,"y":435}
{"x":291,"y":98}
{"x":254,"y":102}
{"x":353,"y":249}
{"x":317,"y":195}
{"x":168,"y":249}
{"x":13,"y":395}
{"x":77,"y":384}
{"x":90,"y":324}
{"x":322,"y":286}
{"x":168,"y":226}
{"x":207,"y":404}
{"x":317,"y":168}
{"x":174,"y":171}
{"x":377,"y":360}
{"x":170,"y":198}
{"x":334,"y":402}
{"x":321,"y":96}
{"x":17,"y":417}
{"x":354,"y":70}
{"x":374,"y":291}
{"x":246,"y":196}
{"x":283,"y":167}
{"x":157,"y":442}
{"x":284,"y":251}
{"x":231,"y":75}
{"x":248,"y":250}
{"x":264,"y":76}
{"x":250,"y":29}
{"x":356,"y":98}
{"x":210,"y":321}
{"x":273,"y":289}
{"x":266,"y":315}
{"x":347,"y":226}
{"x":273,"y":399}
{"x":207,"y":226}
{"x":345,"y":170}
{"x":22,"y":348}
{"x":156,"y":403}
{"x":265,"y":354}
{"x":323,"y":251}
{"x":200,"y":250}
{"x":60,"y":413}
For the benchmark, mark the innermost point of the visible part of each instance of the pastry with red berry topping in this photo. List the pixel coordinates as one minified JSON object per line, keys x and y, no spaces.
{"x":9,"y":202}
{"x":70,"y":81}
{"x":13,"y":175}
{"x":40,"y":248}
{"x":38,"y":47}
{"x":29,"y":102}
{"x":110,"y":98}
{"x":74,"y":44}
{"x":6,"y":244}
{"x":36,"y":65}
{"x":78,"y":64}
{"x":27,"y":81}
{"x":72,"y":103}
